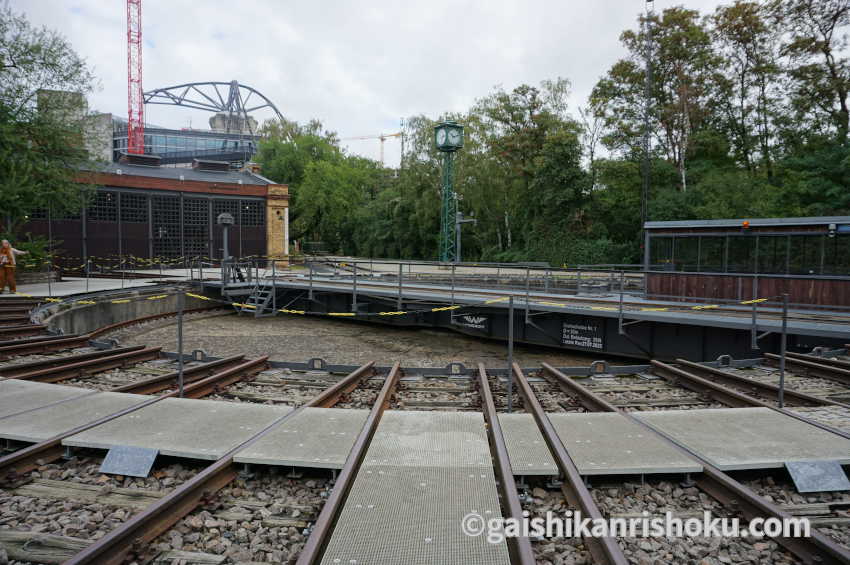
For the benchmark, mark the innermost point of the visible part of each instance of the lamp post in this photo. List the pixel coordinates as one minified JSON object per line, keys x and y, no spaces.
{"x":459,"y":221}
{"x":225,"y":220}
{"x":448,"y":137}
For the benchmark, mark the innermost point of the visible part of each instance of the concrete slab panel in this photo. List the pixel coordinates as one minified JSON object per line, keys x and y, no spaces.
{"x":183,"y":427}
{"x":66,"y":416}
{"x":315,"y":437}
{"x":748,"y":438}
{"x":599,"y":444}
{"x":430,"y":439}
{"x":412,"y":515}
{"x":18,"y":396}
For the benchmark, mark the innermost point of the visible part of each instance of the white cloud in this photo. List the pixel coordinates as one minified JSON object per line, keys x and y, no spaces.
{"x":357,"y":66}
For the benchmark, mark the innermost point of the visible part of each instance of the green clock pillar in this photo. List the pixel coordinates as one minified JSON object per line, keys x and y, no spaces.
{"x":448,"y":137}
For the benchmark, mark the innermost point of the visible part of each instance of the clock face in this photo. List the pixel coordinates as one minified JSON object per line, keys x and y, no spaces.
{"x":441,"y":137}
{"x":454,"y":136}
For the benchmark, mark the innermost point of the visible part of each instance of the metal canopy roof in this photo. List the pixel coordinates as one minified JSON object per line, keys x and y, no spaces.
{"x":174,"y":173}
{"x":755,"y":222}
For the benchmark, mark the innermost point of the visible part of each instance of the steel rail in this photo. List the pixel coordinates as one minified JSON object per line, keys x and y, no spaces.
{"x":730,"y":397}
{"x":112,"y":549}
{"x":820,"y":360}
{"x":218,"y":381}
{"x":117,"y":325}
{"x":818,"y":549}
{"x":604,"y":550}
{"x":14,"y":319}
{"x":55,"y":343}
{"x":12,"y":371}
{"x":591,"y":402}
{"x":815,"y":369}
{"x":23,"y":330}
{"x":520,"y":546}
{"x":724,"y":378}
{"x":35,"y":339}
{"x":30,"y":457}
{"x":323,"y":526}
{"x":190,"y":375}
{"x":89,"y":367}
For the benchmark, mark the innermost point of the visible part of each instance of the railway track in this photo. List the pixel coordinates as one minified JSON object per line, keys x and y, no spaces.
{"x":195,"y":513}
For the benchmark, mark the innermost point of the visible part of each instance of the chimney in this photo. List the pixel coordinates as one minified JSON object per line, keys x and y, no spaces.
{"x":208,"y":165}
{"x":139,"y":159}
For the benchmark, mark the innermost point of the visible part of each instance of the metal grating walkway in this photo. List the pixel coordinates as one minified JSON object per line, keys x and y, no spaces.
{"x":599,"y":444}
{"x":315,"y":437}
{"x":423,"y":472}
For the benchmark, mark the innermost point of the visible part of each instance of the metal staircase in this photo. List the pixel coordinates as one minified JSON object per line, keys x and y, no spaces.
{"x":260,"y":302}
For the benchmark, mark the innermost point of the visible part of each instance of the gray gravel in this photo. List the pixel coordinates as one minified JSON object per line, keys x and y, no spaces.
{"x":297,"y":338}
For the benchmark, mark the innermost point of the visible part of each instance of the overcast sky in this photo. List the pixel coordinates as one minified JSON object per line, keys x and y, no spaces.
{"x":358,"y":66}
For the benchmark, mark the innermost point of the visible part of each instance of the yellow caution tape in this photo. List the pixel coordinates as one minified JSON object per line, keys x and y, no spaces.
{"x":341,"y":314}
{"x":756,"y":301}
{"x":53,"y":299}
{"x":606,"y":308}
{"x":706,"y":307}
{"x":551,"y":303}
{"x":85,"y":302}
{"x":391,"y":313}
{"x":654,"y":309}
{"x":494,"y":300}
{"x":198,"y":296}
{"x":124,"y":301}
{"x":157,"y":297}
{"x":248,"y":306}
{"x":444,"y":308}
{"x":285,"y":311}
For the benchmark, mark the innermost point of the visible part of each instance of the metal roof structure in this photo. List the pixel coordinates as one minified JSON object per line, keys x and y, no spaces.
{"x":755,"y":222}
{"x":175,"y":173}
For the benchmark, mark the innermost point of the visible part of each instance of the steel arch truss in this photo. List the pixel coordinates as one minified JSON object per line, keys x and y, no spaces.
{"x":231,"y":98}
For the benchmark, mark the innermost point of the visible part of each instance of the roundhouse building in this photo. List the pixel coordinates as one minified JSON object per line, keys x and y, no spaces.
{"x":144,"y":210}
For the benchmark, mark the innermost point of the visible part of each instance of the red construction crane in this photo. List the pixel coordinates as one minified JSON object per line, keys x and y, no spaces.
{"x":135,"y":102}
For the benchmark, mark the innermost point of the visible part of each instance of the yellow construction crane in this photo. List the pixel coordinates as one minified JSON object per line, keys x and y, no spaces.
{"x":383,"y":137}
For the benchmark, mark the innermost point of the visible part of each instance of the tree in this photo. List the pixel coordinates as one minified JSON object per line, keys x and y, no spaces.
{"x":43,"y":83}
{"x":817,"y":64}
{"x":683,"y":64}
{"x":748,"y":93}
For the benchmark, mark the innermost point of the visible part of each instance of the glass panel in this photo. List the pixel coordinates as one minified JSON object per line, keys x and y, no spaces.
{"x":661,"y":253}
{"x":741,"y":254}
{"x":772,"y":254}
{"x":711,"y":255}
{"x":687,"y":249}
{"x":805,"y":254}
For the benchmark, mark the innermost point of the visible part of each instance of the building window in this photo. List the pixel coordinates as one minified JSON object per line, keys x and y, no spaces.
{"x":252,"y":213}
{"x":134,"y":208}
{"x":166,"y":226}
{"x":226,"y":206}
{"x":196,"y":226}
{"x":104,"y":208}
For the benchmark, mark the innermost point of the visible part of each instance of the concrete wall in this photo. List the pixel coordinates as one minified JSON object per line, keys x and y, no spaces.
{"x":84,"y":318}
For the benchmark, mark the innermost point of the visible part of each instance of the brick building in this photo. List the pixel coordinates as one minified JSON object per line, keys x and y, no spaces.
{"x":144,"y":210}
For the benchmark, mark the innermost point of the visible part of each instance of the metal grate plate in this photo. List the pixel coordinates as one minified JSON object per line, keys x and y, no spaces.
{"x":183,"y":427}
{"x":598,"y":443}
{"x":430,"y":439}
{"x":66,"y":416}
{"x":17,"y":396}
{"x":315,"y":437}
{"x":748,"y":438}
